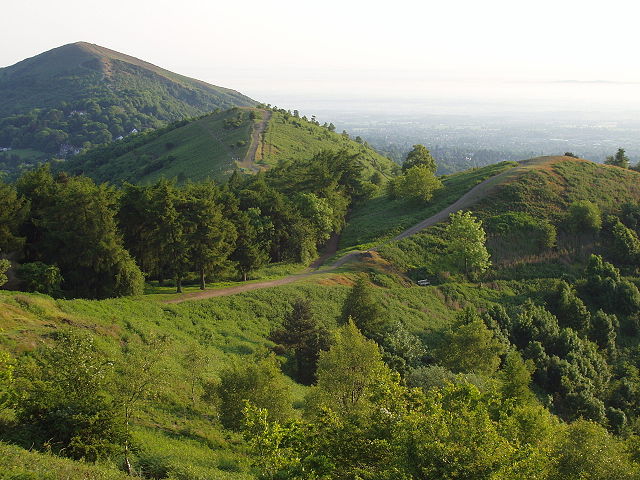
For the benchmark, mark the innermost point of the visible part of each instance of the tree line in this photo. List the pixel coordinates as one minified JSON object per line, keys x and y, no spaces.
{"x":75,"y":238}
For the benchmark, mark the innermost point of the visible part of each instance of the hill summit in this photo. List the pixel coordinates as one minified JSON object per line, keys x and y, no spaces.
{"x":81,"y":94}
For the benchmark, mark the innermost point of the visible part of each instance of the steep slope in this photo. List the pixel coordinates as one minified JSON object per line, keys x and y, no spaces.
{"x":251,"y":139}
{"x":82,"y":94}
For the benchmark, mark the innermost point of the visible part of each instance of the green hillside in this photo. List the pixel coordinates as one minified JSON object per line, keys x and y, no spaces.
{"x":381,"y":218}
{"x":292,"y":138}
{"x":173,"y":434}
{"x":79,"y":95}
{"x":249,"y":139}
{"x":525,"y":368}
{"x":198,"y":149}
{"x":538,"y":192}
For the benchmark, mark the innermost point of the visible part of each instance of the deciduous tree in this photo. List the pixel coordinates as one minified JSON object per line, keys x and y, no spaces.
{"x":466,"y":239}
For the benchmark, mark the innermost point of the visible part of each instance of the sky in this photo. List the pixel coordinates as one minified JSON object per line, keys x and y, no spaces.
{"x":562,"y":53}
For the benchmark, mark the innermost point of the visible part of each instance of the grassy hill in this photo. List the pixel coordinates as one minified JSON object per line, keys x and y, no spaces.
{"x":382,"y":218}
{"x":178,"y":435}
{"x":74,"y":72}
{"x":290,"y":138}
{"x":172,"y":434}
{"x":196,"y":150}
{"x":541,"y":188}
{"x":251,"y":139}
{"x":79,"y":95}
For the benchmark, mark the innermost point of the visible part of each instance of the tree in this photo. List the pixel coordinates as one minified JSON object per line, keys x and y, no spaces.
{"x":260,"y":383}
{"x":211,"y":237}
{"x":140,"y":373}
{"x":361,"y":307}
{"x":418,"y":183}
{"x":73,"y":226}
{"x":470,"y":347}
{"x":570,"y":309}
{"x":13,"y":211}
{"x":5,"y":265}
{"x":253,"y":242}
{"x":620,"y":159}
{"x":419,"y":156}
{"x":625,"y":245}
{"x":304,"y":337}
{"x":319,"y":213}
{"x":350,"y":374}
{"x":584,"y":216}
{"x":40,"y":277}
{"x":64,"y":400}
{"x":586,"y":450}
{"x":466,"y":238}
{"x":169,"y":234}
{"x":603,"y":331}
{"x":516,"y":378}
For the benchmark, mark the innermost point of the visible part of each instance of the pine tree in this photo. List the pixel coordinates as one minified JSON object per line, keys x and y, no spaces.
{"x":361,"y":307}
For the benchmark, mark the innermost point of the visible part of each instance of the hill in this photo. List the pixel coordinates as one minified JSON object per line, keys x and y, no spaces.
{"x":545,"y":365}
{"x":79,"y":95}
{"x":213,"y":146}
{"x":518,"y":204}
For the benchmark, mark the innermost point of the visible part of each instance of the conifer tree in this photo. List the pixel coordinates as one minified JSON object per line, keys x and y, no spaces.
{"x":304,"y":337}
{"x":361,"y":307}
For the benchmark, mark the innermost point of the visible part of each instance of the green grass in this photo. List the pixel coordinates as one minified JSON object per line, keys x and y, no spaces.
{"x":19,"y":464}
{"x":381,"y":218}
{"x":184,"y":439}
{"x":290,"y":138}
{"x":547,"y":191}
{"x":201,"y":149}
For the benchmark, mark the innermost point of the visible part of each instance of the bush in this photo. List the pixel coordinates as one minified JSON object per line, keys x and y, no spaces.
{"x":260,"y":383}
{"x":40,"y":277}
{"x":64,"y":401}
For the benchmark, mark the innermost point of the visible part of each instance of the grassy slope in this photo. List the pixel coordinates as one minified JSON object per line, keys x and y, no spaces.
{"x":548,"y":189}
{"x":19,"y":464}
{"x":187,"y":438}
{"x":201,"y":149}
{"x":290,"y":138}
{"x":381,"y":218}
{"x":544,"y":189}
{"x":205,"y":149}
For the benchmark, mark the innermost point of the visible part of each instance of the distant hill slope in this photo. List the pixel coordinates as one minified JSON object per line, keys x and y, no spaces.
{"x":82,"y":94}
{"x":545,"y":187}
{"x":251,"y":139}
{"x":521,"y":203}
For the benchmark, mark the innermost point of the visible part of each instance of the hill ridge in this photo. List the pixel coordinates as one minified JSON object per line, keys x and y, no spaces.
{"x":80,"y":95}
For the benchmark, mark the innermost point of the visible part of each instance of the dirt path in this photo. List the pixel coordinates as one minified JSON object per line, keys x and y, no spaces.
{"x":249,"y":161}
{"x":472,"y":196}
{"x":468,"y":199}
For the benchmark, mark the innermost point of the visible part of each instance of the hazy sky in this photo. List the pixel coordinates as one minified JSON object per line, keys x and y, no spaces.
{"x":491,"y":50}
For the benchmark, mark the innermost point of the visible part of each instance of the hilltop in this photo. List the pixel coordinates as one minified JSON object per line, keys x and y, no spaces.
{"x":81,"y":94}
{"x":213,"y":146}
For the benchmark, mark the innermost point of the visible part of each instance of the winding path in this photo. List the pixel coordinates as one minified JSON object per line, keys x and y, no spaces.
{"x":465,"y":201}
